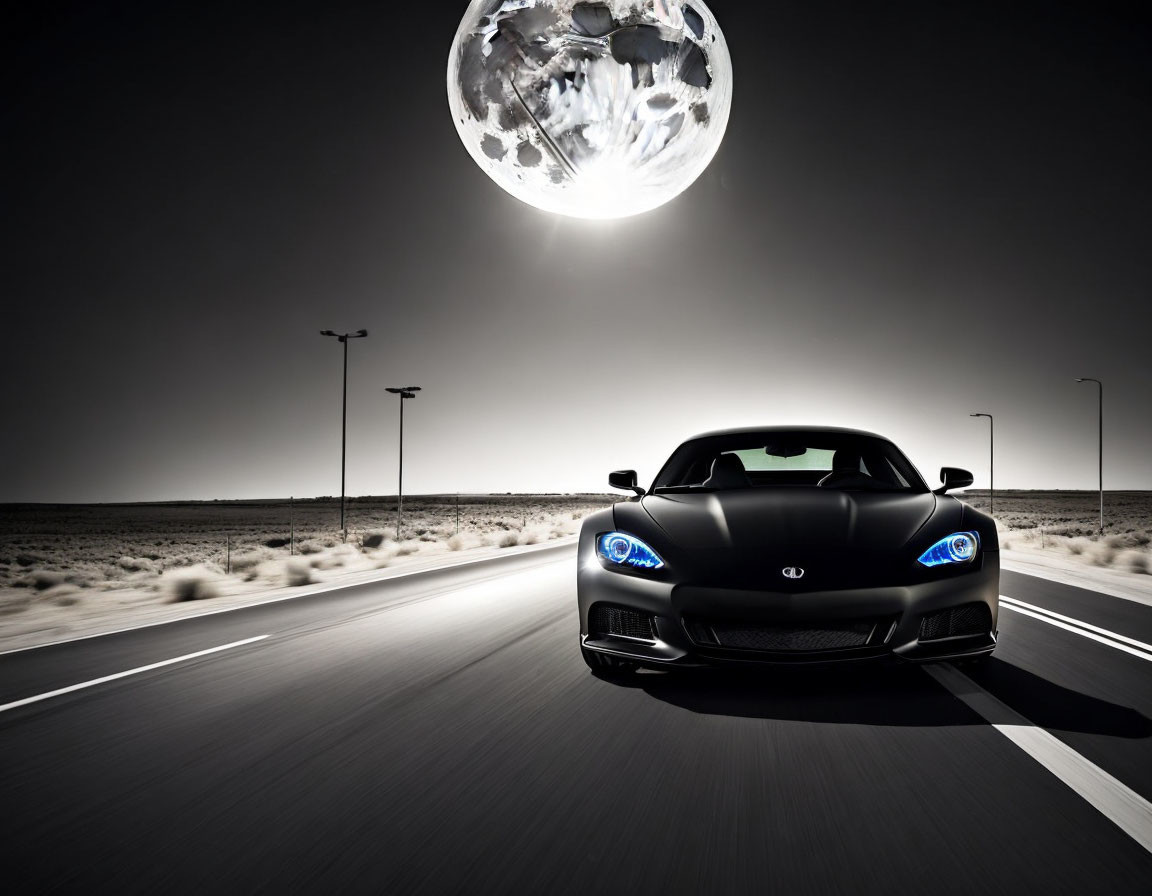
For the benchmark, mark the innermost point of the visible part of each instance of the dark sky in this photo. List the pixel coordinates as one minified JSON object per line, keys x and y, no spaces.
{"x":919,"y":211}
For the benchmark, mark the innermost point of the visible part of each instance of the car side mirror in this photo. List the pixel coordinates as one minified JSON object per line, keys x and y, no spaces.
{"x":625,"y":479}
{"x":953,"y":477}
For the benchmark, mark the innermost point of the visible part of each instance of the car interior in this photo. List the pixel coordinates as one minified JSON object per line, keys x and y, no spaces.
{"x":849,"y":468}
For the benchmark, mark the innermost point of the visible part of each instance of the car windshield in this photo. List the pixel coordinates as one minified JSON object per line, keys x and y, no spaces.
{"x":846,"y":461}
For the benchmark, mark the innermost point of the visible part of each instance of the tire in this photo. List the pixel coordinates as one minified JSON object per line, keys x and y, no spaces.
{"x":605,"y":665}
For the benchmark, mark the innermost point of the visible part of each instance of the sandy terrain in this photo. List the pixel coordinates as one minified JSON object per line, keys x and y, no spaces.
{"x":67,"y":570}
{"x":1065,"y":525}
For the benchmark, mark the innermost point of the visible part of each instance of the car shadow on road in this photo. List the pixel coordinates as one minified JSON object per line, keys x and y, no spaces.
{"x":894,"y":696}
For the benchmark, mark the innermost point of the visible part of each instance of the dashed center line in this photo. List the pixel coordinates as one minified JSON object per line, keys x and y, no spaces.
{"x":48,"y":695}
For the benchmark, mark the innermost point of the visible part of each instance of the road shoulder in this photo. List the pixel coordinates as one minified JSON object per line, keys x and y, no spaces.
{"x":1127,"y":586}
{"x":122,"y":614}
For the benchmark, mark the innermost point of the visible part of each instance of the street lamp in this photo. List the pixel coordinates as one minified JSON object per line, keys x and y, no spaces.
{"x":344,"y":337}
{"x":405,"y":392}
{"x":1100,"y":443}
{"x":991,"y":461}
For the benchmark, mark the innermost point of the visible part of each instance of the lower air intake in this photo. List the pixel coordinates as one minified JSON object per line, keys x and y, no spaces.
{"x":620,"y":623}
{"x":781,"y":637}
{"x":969,"y":619}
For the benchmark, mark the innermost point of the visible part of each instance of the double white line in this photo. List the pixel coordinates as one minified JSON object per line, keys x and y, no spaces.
{"x":1093,"y":632}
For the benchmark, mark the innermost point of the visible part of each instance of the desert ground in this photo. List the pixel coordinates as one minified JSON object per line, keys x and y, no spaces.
{"x":66,"y":555}
{"x":1067,"y":524}
{"x":64,"y":568}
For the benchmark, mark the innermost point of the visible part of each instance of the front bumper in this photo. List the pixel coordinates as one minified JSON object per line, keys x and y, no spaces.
{"x":847,"y":625}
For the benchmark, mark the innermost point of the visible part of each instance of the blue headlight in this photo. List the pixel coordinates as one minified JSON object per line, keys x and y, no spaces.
{"x":959,"y":547}
{"x":624,"y":550}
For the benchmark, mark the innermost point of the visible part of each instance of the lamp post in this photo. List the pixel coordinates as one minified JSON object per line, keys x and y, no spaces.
{"x":991,"y":461}
{"x":405,"y":392}
{"x":344,"y":337}
{"x":1100,"y":442}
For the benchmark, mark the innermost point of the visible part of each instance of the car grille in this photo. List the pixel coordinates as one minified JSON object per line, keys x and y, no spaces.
{"x":784,"y":637}
{"x":969,"y":619}
{"x":620,"y":623}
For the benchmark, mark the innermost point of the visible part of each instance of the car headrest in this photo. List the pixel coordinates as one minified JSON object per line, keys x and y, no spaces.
{"x":846,"y":459}
{"x":727,"y":472}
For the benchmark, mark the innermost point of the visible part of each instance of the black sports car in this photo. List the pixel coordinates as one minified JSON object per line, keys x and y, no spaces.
{"x":787,"y":545}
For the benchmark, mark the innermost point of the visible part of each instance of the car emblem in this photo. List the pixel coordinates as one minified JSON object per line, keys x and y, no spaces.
{"x":793,"y":572}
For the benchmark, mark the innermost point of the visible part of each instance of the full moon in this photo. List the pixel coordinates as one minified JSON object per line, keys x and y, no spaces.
{"x":594,"y":110}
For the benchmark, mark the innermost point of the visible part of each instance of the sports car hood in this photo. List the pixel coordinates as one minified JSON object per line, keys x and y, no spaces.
{"x":760,"y":519}
{"x":732,"y":537}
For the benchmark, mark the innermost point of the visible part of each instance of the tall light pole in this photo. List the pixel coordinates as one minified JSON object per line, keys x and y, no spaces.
{"x":405,"y":392}
{"x":344,"y":337}
{"x":1100,"y":442}
{"x":991,"y":461}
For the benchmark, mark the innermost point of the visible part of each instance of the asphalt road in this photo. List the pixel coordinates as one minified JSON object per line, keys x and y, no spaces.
{"x":440,"y":734}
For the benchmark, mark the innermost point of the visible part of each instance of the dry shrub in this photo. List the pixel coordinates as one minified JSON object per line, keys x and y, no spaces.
{"x":1134,"y":561}
{"x":248,"y":564}
{"x":1130,"y":539}
{"x":309,"y":547}
{"x":298,"y":572}
{"x":62,"y":595}
{"x":277,"y":542}
{"x":509,"y":540}
{"x":1104,"y":555}
{"x":81,"y":578}
{"x":336,"y":558}
{"x":44,"y":579}
{"x":136,"y":564}
{"x":192,"y":583}
{"x":455,"y":543}
{"x":1077,"y":546}
{"x":373,"y":539}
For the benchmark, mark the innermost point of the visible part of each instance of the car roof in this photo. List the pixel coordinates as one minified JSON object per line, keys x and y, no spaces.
{"x":752,"y":430}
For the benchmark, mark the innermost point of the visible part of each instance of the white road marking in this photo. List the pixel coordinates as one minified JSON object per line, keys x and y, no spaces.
{"x":95,"y":681}
{"x":1084,"y":629}
{"x":1069,"y":619}
{"x":1118,"y":803}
